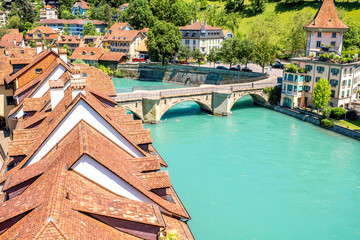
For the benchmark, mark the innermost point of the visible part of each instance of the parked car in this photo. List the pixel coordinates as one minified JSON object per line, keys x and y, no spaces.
{"x":141,"y":60}
{"x":135,"y":60}
{"x":222,"y":67}
{"x":246,"y":69}
{"x":237,"y":68}
{"x":278,"y":64}
{"x":183,"y":62}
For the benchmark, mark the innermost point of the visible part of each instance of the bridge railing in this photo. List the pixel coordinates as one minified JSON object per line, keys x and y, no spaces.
{"x":189,"y":91}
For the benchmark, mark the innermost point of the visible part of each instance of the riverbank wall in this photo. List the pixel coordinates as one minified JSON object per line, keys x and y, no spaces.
{"x":314,"y":119}
{"x":188,"y":75}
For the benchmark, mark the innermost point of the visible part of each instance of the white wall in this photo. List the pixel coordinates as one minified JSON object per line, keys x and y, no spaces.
{"x":96,"y":172}
{"x":82,"y":111}
{"x":44,"y":87}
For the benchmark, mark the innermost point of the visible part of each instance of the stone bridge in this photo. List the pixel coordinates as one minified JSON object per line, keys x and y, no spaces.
{"x":217,"y":100}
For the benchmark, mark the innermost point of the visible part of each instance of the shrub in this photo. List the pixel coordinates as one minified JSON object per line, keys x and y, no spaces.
{"x":332,"y":55}
{"x":327,"y":123}
{"x":302,"y":70}
{"x":326,"y":112}
{"x":291,"y":68}
{"x":338,"y":113}
{"x":352,"y":115}
{"x":120,"y":74}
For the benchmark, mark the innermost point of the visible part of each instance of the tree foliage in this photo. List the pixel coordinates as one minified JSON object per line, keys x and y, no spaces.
{"x":184,"y":52}
{"x":26,"y":11}
{"x":89,"y":29}
{"x":258,"y":6}
{"x":198,"y":56}
{"x":213,"y":56}
{"x":163,"y":41}
{"x":14,"y":22}
{"x":352,"y":37}
{"x":321,"y":94}
{"x":66,"y":30}
{"x":234,"y":5}
{"x":139,"y":15}
{"x":228,"y":51}
{"x":180,"y":13}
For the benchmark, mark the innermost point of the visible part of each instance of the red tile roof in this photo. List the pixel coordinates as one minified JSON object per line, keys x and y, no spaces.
{"x":69,"y":40}
{"x":87,"y":53}
{"x":118,"y":26}
{"x":327,"y":18}
{"x":122,"y":35}
{"x":198,"y":25}
{"x":11,"y":37}
{"x":45,"y":30}
{"x":71,"y":21}
{"x":83,"y":4}
{"x":113,"y":56}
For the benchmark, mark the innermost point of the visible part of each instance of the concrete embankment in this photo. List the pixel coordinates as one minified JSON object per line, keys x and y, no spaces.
{"x":316,"y":120}
{"x":189,"y":75}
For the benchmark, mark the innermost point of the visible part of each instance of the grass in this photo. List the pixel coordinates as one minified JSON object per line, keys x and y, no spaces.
{"x":283,"y":12}
{"x":355,"y":125}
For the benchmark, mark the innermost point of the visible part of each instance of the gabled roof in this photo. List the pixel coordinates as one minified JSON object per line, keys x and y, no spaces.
{"x":113,"y":56}
{"x":11,"y":37}
{"x":119,"y":26}
{"x":87,"y":53}
{"x":43,"y":29}
{"x":69,"y":40}
{"x":82,"y":4}
{"x":327,"y":18}
{"x":122,"y":35}
{"x":198,"y":25}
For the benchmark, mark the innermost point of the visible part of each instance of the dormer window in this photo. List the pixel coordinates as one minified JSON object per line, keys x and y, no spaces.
{"x":38,"y":70}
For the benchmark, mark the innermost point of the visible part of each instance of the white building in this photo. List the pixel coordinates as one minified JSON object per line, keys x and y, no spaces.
{"x":201,"y":36}
{"x":48,"y":12}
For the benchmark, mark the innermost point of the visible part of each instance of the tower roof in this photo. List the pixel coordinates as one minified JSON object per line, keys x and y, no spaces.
{"x":327,"y":18}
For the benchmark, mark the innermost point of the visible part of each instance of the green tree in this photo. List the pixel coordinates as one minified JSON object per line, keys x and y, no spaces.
{"x":89,"y":29}
{"x":68,"y":50}
{"x":27,"y":26}
{"x":184,"y":52}
{"x":32,"y":44}
{"x":14,"y":22}
{"x":13,"y":10}
{"x":180,"y":13}
{"x":213,"y":56}
{"x":352,"y":37}
{"x":274,"y":94}
{"x":234,"y":5}
{"x":203,"y":4}
{"x":66,"y":30}
{"x":139,"y":15}
{"x":26,"y":11}
{"x":163,"y":41}
{"x":3,"y":31}
{"x":229,"y":51}
{"x":246,"y":50}
{"x":264,"y":54}
{"x":66,"y":15}
{"x":198,"y":56}
{"x":160,"y":8}
{"x":258,"y":6}
{"x":321,"y":94}
{"x":295,"y":40}
{"x":107,"y":13}
{"x":232,"y":22}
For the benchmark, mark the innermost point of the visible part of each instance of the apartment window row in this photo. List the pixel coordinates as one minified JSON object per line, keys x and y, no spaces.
{"x":335,"y":71}
{"x":307,"y":78}
{"x":333,"y":35}
{"x":334,"y":82}
{"x":308,"y":67}
{"x":119,"y":44}
{"x":320,"y":69}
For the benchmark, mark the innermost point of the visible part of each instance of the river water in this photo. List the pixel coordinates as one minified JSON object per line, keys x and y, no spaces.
{"x":259,"y":174}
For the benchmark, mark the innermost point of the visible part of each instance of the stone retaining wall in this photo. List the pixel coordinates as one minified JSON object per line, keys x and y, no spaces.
{"x":316,"y":121}
{"x":189,"y":75}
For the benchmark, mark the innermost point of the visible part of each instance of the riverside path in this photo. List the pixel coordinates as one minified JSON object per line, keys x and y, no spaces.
{"x":216,"y":99}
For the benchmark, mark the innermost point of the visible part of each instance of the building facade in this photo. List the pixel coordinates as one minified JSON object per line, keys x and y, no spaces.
{"x":124,"y":41}
{"x":201,"y":36}
{"x":343,"y":76}
{"x":80,"y":8}
{"x":3,"y":18}
{"x":42,"y":33}
{"x":48,"y":12}
{"x":76,"y":26}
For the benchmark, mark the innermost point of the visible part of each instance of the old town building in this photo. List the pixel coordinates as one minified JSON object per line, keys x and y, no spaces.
{"x":48,"y":12}
{"x":42,"y":33}
{"x":343,"y":73}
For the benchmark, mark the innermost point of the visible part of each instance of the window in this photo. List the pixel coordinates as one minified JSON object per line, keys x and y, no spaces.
{"x":319,"y":34}
{"x":306,"y":88}
{"x":318,"y":44}
{"x":285,"y":76}
{"x":10,"y":101}
{"x":300,"y":88}
{"x":84,"y":75}
{"x":335,"y":71}
{"x":290,"y":87}
{"x":47,"y":35}
{"x":30,"y":35}
{"x":333,"y":35}
{"x":291,"y":77}
{"x":320,"y":69}
{"x":342,"y":93}
{"x":317,"y":79}
{"x":333,"y":43}
{"x":343,"y":83}
{"x":308,"y":68}
{"x":333,"y":82}
{"x":296,"y":78}
{"x":284,"y":87}
{"x":332,"y":93}
{"x":187,"y":41}
{"x":348,"y":93}
{"x":295,"y":88}
{"x":38,"y":70}
{"x":307,"y":78}
{"x":39,"y":35}
{"x":349,"y":83}
{"x":194,"y":42}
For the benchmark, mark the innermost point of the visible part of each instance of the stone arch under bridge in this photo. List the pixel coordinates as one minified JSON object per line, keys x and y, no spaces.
{"x":258,"y":97}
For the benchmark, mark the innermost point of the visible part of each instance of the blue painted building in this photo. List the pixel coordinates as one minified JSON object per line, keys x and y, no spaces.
{"x":80,"y":8}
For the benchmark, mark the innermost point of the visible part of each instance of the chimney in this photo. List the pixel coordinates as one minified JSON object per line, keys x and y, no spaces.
{"x":56,"y":92}
{"x":197,"y":20}
{"x":191,"y":21}
{"x":55,"y":48}
{"x":63,"y":55}
{"x":39,"y":48}
{"x":205,"y":22}
{"x":78,"y":86}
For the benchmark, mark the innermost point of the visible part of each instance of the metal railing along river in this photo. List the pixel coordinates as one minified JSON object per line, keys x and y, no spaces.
{"x":190,"y":91}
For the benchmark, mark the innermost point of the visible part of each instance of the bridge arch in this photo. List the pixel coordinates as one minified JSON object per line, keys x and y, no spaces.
{"x":259,"y":97}
{"x":202,"y":105}
{"x":134,"y":112}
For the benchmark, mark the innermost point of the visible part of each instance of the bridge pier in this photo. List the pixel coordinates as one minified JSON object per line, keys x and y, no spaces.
{"x":151,"y":110}
{"x":221,"y":102}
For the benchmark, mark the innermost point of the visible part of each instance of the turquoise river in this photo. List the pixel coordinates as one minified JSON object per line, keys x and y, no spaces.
{"x":259,"y":174}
